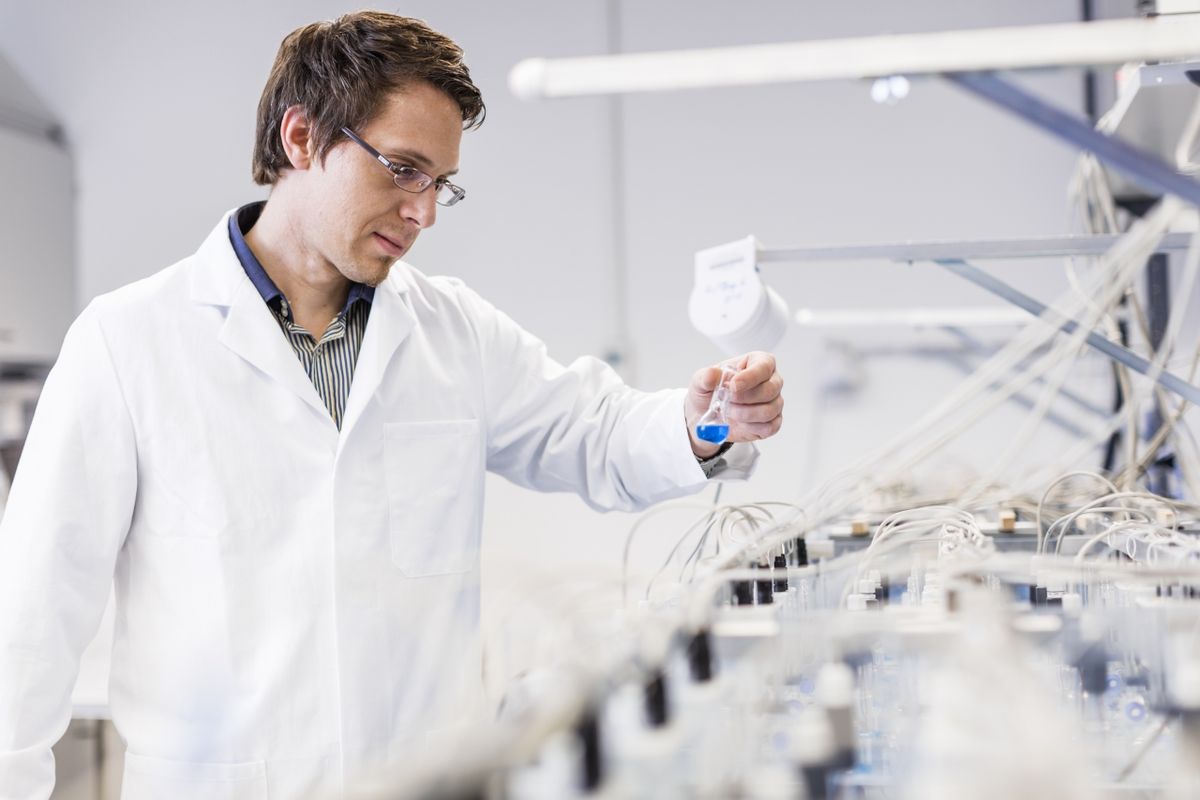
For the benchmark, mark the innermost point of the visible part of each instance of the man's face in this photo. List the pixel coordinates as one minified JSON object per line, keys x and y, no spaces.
{"x":356,"y":219}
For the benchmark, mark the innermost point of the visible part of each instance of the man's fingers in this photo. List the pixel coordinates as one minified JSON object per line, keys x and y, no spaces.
{"x":757,"y":369}
{"x":756,"y":407}
{"x":762,"y":393}
{"x":756,"y":413}
{"x":706,"y":379}
{"x":754,"y":431}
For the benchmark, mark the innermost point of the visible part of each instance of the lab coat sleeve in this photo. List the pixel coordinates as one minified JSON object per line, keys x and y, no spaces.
{"x":578,"y":428}
{"x":68,"y":512}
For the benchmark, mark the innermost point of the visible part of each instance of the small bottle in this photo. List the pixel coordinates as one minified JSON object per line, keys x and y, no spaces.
{"x":713,"y":427}
{"x":704,"y":711}
{"x":835,"y":694}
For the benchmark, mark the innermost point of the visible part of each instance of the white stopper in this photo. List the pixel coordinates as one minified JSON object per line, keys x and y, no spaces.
{"x":1185,"y":686}
{"x":1072,"y":604}
{"x":1053,"y":582}
{"x":813,"y":740}
{"x":835,"y":685}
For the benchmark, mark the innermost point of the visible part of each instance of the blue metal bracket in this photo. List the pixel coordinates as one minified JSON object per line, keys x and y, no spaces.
{"x":1140,"y":167}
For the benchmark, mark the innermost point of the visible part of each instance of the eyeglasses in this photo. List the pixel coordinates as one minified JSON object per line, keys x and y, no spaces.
{"x":411,"y":179}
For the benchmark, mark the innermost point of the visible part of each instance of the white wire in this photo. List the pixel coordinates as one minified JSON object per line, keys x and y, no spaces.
{"x":1046,"y":494}
{"x":934,"y":430}
{"x":1054,"y":385}
{"x":1098,"y":506}
{"x":633,"y":530}
{"x":1168,"y":426}
{"x":1187,"y":146}
{"x":1107,"y":534}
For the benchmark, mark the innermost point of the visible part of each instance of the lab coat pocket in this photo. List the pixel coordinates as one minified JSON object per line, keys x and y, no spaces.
{"x":150,"y":778}
{"x":435,"y":493}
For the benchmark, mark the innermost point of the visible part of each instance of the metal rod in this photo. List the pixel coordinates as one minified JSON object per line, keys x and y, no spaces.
{"x":959,"y":317}
{"x":1114,"y":351}
{"x":1016,"y":47}
{"x":979,"y":249}
{"x":1141,"y":167}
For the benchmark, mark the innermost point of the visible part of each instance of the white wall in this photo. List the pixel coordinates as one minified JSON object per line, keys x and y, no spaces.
{"x":37,"y":229}
{"x":158,"y":100}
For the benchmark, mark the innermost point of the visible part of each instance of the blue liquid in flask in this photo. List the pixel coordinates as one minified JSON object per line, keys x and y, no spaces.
{"x":712,"y":433}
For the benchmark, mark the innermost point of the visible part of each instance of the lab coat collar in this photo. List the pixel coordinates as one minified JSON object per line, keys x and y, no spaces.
{"x":250,"y":331}
{"x":218,"y":275}
{"x":389,"y":325}
{"x":216,"y":278}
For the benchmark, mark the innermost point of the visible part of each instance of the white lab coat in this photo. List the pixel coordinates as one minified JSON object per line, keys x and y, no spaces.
{"x":296,"y":606}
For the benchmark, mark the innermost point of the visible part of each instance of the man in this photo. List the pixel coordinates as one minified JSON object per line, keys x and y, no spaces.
{"x":278,"y":447}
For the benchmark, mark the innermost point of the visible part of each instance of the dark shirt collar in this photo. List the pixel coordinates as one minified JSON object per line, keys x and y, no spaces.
{"x":240,"y":223}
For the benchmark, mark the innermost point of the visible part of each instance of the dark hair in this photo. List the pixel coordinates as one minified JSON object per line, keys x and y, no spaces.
{"x":340,"y":72}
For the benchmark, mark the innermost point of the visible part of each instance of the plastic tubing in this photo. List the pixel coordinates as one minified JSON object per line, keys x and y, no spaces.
{"x":1121,"y":263}
{"x":1097,"y":506}
{"x":1056,"y":482}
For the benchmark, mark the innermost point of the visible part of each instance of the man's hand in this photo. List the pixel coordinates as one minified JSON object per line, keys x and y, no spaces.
{"x":755,"y":408}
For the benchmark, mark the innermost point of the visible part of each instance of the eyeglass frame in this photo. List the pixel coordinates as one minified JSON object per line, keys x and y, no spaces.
{"x":457,"y":193}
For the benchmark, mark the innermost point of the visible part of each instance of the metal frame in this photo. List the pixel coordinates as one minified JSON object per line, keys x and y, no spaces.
{"x":978,"y":249}
{"x":1142,"y":168}
{"x":1111,"y":349}
{"x":1139,"y":166}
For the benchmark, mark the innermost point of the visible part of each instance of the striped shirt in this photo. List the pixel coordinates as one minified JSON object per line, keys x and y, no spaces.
{"x":328,"y":361}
